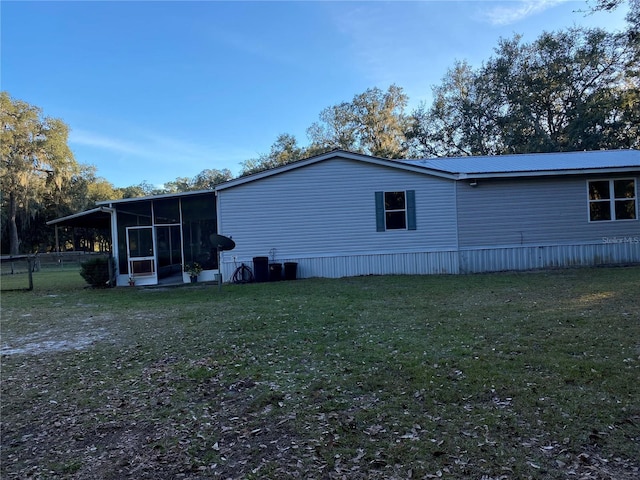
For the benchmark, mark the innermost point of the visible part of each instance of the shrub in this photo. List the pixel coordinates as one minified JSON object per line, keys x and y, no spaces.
{"x":96,"y":271}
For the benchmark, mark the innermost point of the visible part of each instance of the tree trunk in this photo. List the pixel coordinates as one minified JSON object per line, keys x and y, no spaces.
{"x":14,"y":240}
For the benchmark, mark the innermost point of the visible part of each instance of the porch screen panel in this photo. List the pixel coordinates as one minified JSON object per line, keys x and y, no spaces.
{"x":130,"y":215}
{"x":141,"y":242}
{"x":198,"y":225}
{"x":166,"y":211}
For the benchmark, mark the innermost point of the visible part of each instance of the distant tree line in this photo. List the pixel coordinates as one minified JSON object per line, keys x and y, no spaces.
{"x":574,"y":89}
{"x":40,"y":180}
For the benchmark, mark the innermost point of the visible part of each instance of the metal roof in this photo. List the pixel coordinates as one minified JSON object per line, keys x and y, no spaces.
{"x":532,"y":164}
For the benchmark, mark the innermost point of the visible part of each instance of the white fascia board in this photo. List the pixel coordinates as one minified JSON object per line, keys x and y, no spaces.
{"x":412,"y":168}
{"x":154,"y":197}
{"x":268,"y":173}
{"x":80,"y":214}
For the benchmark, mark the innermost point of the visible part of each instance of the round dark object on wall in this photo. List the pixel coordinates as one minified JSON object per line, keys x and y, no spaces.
{"x":221,"y":242}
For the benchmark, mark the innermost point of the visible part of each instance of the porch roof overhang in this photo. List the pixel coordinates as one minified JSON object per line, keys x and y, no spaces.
{"x":95,"y":218}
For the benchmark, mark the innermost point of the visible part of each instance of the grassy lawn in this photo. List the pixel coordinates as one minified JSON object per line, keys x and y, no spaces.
{"x":502,"y":376}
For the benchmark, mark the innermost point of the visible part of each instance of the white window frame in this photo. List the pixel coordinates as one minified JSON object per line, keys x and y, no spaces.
{"x":612,"y":199}
{"x":404,"y":210}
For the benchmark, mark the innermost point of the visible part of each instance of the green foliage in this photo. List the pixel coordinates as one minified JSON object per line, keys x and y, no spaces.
{"x":574,"y":89}
{"x":143,"y":189}
{"x":36,"y":165}
{"x":373,"y":123}
{"x":193,"y":269}
{"x":462,"y":119}
{"x":96,"y":271}
{"x":209,"y":178}
{"x":40,"y":179}
{"x":566,"y":91}
{"x":284,"y":151}
{"x":205,"y":180}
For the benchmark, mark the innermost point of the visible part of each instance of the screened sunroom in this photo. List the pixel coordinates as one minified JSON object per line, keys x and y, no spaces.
{"x":157,"y":238}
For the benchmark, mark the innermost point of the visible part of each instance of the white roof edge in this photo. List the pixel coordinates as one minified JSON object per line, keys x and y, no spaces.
{"x":80,"y":214}
{"x":547,"y":173}
{"x":276,"y":170}
{"x":155,"y":197}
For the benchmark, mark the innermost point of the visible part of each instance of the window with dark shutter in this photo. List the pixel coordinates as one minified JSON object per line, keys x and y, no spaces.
{"x":396,"y":210}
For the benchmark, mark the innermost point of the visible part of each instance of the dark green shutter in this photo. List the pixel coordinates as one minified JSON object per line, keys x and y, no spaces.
{"x":380,"y":211}
{"x":411,"y":209}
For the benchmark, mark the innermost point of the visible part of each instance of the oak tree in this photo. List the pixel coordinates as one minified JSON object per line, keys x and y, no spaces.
{"x":36,"y":161}
{"x":374,"y":123}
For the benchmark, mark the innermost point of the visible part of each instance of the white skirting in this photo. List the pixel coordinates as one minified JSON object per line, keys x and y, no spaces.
{"x":471,"y":260}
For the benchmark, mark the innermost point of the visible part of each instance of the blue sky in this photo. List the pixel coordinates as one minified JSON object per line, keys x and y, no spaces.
{"x":153,"y":91}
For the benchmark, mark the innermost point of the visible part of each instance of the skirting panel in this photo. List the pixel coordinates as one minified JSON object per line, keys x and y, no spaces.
{"x":424,"y":263}
{"x":550,"y":256}
{"x":466,"y":261}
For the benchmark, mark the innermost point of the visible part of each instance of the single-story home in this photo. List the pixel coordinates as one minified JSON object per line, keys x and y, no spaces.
{"x":345,"y":214}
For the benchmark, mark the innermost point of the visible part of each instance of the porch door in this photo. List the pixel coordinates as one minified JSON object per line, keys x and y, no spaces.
{"x":169,"y":251}
{"x":140,"y":253}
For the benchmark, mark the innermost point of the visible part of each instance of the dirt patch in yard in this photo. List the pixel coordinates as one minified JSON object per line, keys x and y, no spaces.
{"x":36,"y":344}
{"x":74,"y":334}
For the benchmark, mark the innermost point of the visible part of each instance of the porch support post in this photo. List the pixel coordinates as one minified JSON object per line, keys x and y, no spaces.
{"x":219,"y":272}
{"x":30,"y":268}
{"x":114,"y":243}
{"x":112,"y":275}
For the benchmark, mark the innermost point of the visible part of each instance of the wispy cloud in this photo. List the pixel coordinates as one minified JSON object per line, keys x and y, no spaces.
{"x":95,"y":140}
{"x":155,"y":153}
{"x":253,"y":46}
{"x":410,"y":46}
{"x":508,"y":13}
{"x":147,"y":145}
{"x":374,"y":43}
